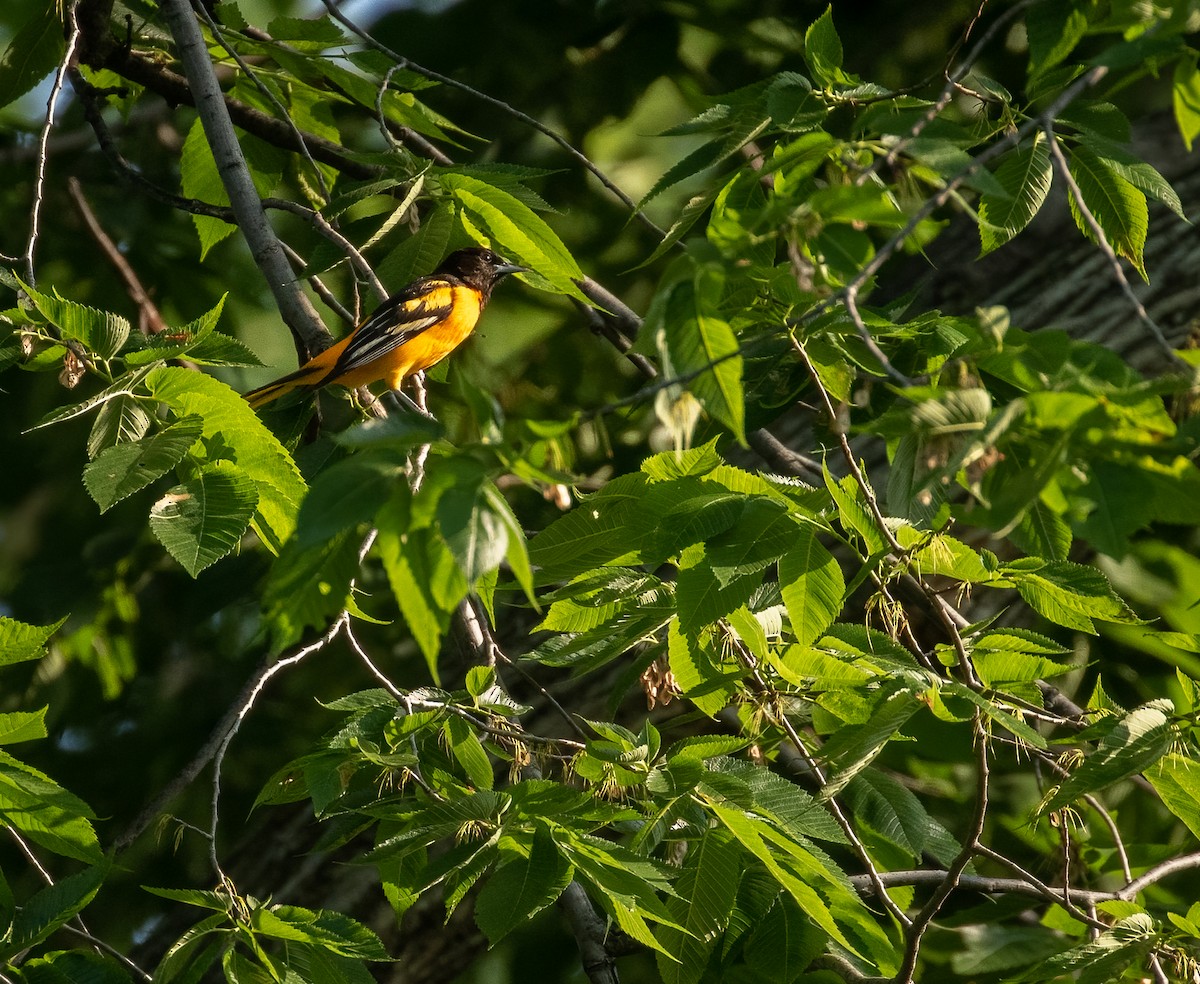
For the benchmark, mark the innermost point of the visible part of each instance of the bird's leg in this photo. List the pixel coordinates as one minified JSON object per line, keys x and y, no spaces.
{"x":404,"y":402}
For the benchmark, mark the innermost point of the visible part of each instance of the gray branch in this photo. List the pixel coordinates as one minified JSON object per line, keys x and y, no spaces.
{"x":294,"y":305}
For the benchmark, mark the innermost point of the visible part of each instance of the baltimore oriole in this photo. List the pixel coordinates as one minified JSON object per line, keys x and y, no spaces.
{"x":412,"y":330}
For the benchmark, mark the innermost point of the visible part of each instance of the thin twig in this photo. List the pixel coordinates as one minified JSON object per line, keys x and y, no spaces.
{"x":108,"y":948}
{"x":151,"y":320}
{"x":39,"y":187}
{"x":244,"y":707}
{"x":811,"y":766}
{"x":512,"y":111}
{"x":916,"y":931}
{"x":1064,"y":172}
{"x":270,"y":96}
{"x":1061,"y":895}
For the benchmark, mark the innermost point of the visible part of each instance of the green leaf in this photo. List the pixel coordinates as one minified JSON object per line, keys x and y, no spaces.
{"x":476,"y":536}
{"x":33,"y":52}
{"x":749,"y":833}
{"x":522,"y":887}
{"x":1100,"y":960}
{"x":98,"y":331}
{"x":823,"y":50}
{"x":74,"y":967}
{"x":1067,"y":593}
{"x":707,"y":888}
{"x":232,"y":425}
{"x":853,"y":747}
{"x":464,"y":745}
{"x":1185,"y":93}
{"x":411,"y":558}
{"x":333,"y":931}
{"x":200,"y":179}
{"x":517,"y":547}
{"x":119,"y":471}
{"x":18,"y":726}
{"x":516,"y":230}
{"x":895,"y":813}
{"x":812,"y":585}
{"x":38,"y":808}
{"x":1025,"y":173}
{"x":1138,"y":173}
{"x":118,"y":421}
{"x":1118,"y":207}
{"x":308,"y":586}
{"x":696,"y":341}
{"x":1176,"y":779}
{"x":52,"y":907}
{"x":1054,"y":29}
{"x":346,"y":494}
{"x":783,"y":943}
{"x":20,"y":642}
{"x":202,"y":520}
{"x":594,"y":533}
{"x":1133,"y":745}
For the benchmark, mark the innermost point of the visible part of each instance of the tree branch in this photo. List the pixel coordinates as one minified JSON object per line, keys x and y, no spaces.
{"x":294,"y":305}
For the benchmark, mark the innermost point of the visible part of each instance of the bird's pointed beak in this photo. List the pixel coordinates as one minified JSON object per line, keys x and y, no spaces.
{"x":505,"y":268}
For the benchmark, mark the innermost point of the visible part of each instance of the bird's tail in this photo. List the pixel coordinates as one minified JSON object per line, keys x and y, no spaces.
{"x":302,"y":379}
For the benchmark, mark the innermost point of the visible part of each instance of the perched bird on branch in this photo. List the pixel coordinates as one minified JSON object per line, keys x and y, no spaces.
{"x":412,"y":330}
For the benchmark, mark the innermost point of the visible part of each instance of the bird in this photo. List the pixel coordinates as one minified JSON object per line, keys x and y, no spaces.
{"x":415,"y":328}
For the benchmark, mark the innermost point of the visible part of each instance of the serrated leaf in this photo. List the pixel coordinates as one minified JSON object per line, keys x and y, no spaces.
{"x":1069,"y":594}
{"x":98,"y":331}
{"x":120,"y":471}
{"x":522,"y":887}
{"x":32,"y":53}
{"x":1053,"y":29}
{"x":853,"y":747}
{"x":823,"y":50}
{"x":517,"y":231}
{"x":123,"y":387}
{"x":465,"y":746}
{"x":50,"y":908}
{"x":20,"y":641}
{"x":707,"y":889}
{"x":696,"y":341}
{"x":1102,"y":959}
{"x":18,"y":726}
{"x":596,"y":532}
{"x":118,"y":421}
{"x":476,"y":536}
{"x":201,"y":180}
{"x":334,"y":931}
{"x":408,"y":556}
{"x":40,"y":809}
{"x":1176,"y":779}
{"x":812,"y":585}
{"x":229,"y":420}
{"x":1117,"y":206}
{"x":1137,"y":742}
{"x":308,"y":586}
{"x":750,"y":833}
{"x":202,"y":520}
{"x":1025,"y":173}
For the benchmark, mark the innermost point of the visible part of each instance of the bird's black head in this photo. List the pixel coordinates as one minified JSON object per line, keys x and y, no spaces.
{"x":478,"y":268}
